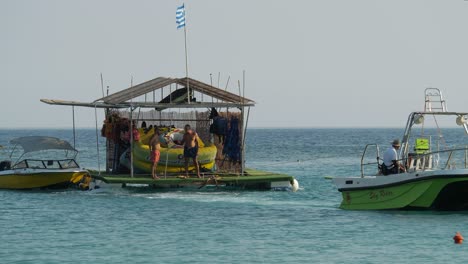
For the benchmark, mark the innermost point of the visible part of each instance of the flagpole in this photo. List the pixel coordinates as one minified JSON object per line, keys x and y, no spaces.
{"x":180,"y":20}
{"x":186,"y":64}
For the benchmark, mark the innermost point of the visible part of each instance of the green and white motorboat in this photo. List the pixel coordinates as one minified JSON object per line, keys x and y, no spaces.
{"x":436,"y":176}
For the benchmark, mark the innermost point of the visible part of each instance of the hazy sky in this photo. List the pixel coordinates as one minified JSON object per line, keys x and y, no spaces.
{"x":308,"y":63}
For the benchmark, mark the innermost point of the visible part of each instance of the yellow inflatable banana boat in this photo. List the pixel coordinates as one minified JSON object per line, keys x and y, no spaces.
{"x":172,"y":155}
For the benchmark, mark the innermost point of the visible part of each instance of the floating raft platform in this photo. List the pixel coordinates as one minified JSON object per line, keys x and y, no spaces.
{"x":252,"y":179}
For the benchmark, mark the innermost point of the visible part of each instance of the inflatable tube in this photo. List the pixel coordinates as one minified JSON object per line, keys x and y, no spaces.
{"x":171,"y":154}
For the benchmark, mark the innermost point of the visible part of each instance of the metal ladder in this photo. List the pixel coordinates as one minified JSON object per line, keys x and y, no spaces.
{"x":434,"y":101}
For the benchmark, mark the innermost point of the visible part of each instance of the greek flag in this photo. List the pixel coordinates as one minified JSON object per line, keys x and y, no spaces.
{"x":180,"y":16}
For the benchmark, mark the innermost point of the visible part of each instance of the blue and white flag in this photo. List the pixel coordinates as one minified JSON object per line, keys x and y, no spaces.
{"x":180,"y":16}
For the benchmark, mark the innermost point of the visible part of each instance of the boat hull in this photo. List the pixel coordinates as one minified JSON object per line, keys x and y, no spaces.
{"x":30,"y":179}
{"x":433,"y":192}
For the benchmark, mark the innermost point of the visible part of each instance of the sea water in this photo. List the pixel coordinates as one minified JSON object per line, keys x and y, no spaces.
{"x":141,"y":225}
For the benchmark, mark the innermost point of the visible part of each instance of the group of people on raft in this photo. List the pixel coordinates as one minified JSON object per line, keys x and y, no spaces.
{"x":190,"y":143}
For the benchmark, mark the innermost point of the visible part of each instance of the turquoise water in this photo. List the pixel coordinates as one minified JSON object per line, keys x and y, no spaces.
{"x":140,"y":225}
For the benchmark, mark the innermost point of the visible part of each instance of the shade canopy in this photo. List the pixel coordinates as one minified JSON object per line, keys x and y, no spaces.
{"x":128,"y":97}
{"x":38,"y":143}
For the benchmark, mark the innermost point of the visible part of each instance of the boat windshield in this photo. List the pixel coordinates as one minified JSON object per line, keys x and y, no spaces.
{"x":46,"y":164}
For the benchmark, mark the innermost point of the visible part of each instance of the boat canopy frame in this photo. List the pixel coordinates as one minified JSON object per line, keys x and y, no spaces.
{"x":434,"y":105}
{"x":415,"y":118}
{"x":40,"y":143}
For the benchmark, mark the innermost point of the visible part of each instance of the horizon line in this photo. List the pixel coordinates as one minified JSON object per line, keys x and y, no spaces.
{"x":252,"y":127}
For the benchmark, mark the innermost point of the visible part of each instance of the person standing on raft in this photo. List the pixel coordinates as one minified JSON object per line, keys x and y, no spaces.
{"x":190,"y":142}
{"x":155,"y":154}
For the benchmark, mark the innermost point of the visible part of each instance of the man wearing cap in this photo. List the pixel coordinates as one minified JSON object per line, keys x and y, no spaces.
{"x":390,"y":158}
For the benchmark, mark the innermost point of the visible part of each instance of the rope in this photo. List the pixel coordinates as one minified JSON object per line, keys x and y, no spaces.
{"x":439,"y":131}
{"x":167,"y":153}
{"x":287,"y":162}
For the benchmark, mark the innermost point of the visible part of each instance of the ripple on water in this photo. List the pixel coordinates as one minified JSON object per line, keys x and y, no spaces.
{"x":141,"y":225}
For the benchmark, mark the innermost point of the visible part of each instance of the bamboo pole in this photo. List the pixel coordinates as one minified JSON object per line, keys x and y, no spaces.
{"x":244,"y":124}
{"x":131,"y":132}
{"x":74,"y":133}
{"x":97,"y":142}
{"x":131,"y":141}
{"x":241,"y":128}
{"x":211,"y":83}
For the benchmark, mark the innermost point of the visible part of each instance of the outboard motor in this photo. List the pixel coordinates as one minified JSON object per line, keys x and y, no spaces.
{"x":5,"y":165}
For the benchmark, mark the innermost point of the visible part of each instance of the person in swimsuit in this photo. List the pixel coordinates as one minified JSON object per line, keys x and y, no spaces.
{"x":155,"y":154}
{"x":190,"y":142}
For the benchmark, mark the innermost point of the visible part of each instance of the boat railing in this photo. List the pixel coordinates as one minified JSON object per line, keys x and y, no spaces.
{"x":443,"y":159}
{"x":377,"y":163}
{"x":455,"y":158}
{"x":46,"y":164}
